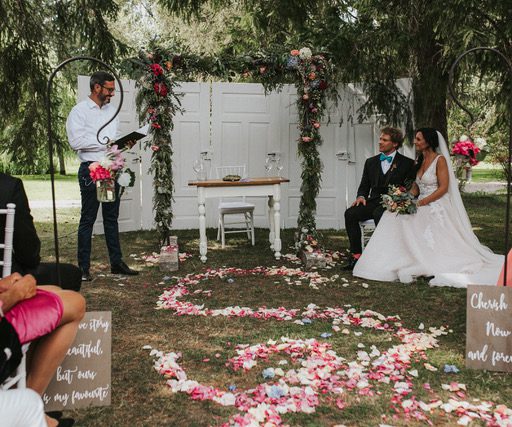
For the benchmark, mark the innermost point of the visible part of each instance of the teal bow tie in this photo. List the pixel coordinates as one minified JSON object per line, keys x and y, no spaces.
{"x":383,"y":157}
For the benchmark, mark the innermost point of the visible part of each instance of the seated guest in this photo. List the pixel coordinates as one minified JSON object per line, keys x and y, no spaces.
{"x":26,"y":243}
{"x":47,"y":314}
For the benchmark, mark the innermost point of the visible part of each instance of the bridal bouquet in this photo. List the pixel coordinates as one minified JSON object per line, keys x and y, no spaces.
{"x":109,"y":170}
{"x":399,"y":201}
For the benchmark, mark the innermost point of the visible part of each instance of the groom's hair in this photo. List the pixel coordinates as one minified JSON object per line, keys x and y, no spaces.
{"x":394,"y":134}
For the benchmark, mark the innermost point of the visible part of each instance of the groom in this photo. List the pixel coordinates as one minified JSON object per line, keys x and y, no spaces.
{"x":387,"y":168}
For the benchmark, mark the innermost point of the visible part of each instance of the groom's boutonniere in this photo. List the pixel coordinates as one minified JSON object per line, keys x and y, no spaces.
{"x":393,"y":167}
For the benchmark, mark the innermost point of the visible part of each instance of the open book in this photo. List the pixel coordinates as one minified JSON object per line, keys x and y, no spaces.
{"x":132,"y":136}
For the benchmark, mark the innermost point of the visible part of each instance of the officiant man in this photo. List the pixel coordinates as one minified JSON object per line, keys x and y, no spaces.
{"x":380,"y":171}
{"x":83,"y":123}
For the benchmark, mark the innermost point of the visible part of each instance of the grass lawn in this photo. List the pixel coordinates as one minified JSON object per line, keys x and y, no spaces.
{"x":140,"y":396}
{"x":487,"y":174}
{"x":38,"y":187}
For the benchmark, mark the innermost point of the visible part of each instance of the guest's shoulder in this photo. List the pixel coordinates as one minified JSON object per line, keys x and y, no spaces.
{"x":8,"y":180}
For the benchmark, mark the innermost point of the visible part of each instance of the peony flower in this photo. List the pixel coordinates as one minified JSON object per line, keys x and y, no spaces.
{"x":124,"y":179}
{"x":155,"y":147}
{"x":312,"y":76}
{"x":316,"y":125}
{"x":157,"y":69}
{"x":295,"y":52}
{"x":305,"y":53}
{"x":307,"y":139}
{"x":305,"y":97}
{"x":160,"y":88}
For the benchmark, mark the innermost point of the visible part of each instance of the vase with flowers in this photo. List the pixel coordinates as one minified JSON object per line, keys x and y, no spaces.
{"x":467,"y":154}
{"x":109,"y":170}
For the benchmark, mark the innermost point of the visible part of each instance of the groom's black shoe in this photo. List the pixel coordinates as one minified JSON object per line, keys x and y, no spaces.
{"x":350,"y":265}
{"x":122,"y":268}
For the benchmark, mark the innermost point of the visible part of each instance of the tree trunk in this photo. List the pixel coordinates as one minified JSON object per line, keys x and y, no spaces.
{"x":430,"y":86}
{"x":62,"y":162}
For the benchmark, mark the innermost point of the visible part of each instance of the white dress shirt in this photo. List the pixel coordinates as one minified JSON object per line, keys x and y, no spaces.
{"x":83,"y":124}
{"x":385,"y":165}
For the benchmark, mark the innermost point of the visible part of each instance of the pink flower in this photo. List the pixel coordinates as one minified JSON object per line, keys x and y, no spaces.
{"x":155,"y":147}
{"x":98,"y":172}
{"x":295,"y":52}
{"x":307,"y":139}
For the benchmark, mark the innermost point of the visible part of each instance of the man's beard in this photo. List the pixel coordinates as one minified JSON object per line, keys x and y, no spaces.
{"x":104,"y":99}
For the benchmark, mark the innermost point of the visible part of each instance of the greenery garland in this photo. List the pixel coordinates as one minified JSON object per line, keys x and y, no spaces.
{"x":157,"y":102}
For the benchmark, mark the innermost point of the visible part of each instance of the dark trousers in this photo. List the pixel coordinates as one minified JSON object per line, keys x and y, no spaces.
{"x":46,"y":274}
{"x":90,"y":206}
{"x":354,"y":214}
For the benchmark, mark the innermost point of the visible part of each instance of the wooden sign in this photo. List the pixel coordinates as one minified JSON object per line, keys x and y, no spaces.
{"x":489,"y":328}
{"x":83,"y":379}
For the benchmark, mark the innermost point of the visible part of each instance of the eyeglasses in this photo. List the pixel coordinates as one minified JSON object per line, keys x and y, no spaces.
{"x":109,"y":89}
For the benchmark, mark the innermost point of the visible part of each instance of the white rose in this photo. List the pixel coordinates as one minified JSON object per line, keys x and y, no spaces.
{"x":124,"y":179}
{"x":463,"y":138}
{"x":305,"y":53}
{"x":480,"y":142}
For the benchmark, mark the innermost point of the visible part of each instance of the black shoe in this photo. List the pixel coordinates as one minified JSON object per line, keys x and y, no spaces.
{"x":350,"y":265}
{"x":86,"y":276}
{"x":56,"y":415}
{"x":66,"y":422}
{"x":122,"y":268}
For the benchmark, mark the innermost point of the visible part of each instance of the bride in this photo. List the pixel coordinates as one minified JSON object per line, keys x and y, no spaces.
{"x":436,"y":241}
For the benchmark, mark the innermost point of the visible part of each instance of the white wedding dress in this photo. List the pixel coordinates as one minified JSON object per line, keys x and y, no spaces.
{"x":436,"y":241}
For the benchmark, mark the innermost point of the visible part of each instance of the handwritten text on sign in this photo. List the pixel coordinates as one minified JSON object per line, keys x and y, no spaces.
{"x":83,"y":378}
{"x":489,"y":328}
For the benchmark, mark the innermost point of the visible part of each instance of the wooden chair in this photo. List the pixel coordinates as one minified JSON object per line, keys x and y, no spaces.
{"x":18,"y":379}
{"x":234,"y":207}
{"x":367,"y":229}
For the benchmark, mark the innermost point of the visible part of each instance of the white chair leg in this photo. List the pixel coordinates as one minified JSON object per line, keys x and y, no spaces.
{"x":362,"y":237}
{"x":218,"y":229}
{"x":248,"y":225}
{"x":252,"y":228}
{"x":223,"y":234}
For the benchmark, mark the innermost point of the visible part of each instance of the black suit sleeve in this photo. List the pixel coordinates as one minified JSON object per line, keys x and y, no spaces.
{"x":26,"y":244}
{"x":365,"y":185}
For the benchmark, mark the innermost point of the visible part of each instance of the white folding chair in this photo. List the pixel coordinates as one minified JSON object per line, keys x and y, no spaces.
{"x":6,"y":261}
{"x":18,"y":379}
{"x":234,"y":207}
{"x":367,"y":229}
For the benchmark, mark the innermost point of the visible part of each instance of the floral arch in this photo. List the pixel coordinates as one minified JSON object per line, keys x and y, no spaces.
{"x":157,"y":103}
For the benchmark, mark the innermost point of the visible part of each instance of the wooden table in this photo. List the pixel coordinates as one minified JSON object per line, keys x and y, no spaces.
{"x":251,"y":187}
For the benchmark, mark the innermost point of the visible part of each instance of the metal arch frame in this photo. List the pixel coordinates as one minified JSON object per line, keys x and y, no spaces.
{"x":50,"y":138}
{"x":456,"y":100}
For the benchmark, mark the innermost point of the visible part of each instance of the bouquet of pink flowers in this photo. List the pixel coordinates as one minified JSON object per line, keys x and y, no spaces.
{"x":399,"y":201}
{"x":467,"y":154}
{"x":465,"y":147}
{"x":108,"y":170}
